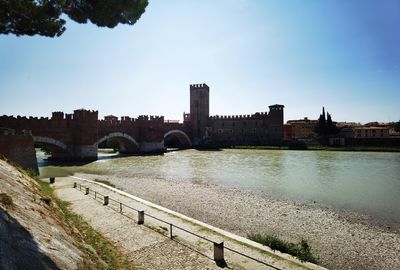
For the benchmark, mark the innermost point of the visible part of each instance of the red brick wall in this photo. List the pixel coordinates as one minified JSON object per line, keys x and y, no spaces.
{"x":19,"y":149}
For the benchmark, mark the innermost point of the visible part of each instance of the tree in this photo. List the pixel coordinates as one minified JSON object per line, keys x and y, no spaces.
{"x":325,"y":125}
{"x":397,"y":126}
{"x":42,"y":17}
{"x":331,"y":126}
{"x":320,"y":128}
{"x":113,"y":143}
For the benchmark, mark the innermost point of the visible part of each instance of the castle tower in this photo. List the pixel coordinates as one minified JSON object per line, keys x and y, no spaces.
{"x":275,"y":126}
{"x":84,"y":134}
{"x":199,"y":110}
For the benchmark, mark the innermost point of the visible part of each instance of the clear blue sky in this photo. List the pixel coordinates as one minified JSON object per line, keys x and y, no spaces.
{"x":344,"y":55}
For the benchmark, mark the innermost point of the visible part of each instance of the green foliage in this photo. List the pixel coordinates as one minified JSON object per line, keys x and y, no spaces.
{"x":6,"y":200}
{"x":397,"y":126}
{"x":98,"y":248}
{"x":325,"y":125}
{"x":300,"y":250}
{"x":42,"y":17}
{"x":112,"y":143}
{"x":104,"y":253}
{"x":32,"y":173}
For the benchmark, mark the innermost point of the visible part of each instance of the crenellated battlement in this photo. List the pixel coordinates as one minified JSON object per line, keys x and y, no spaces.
{"x":257,"y":115}
{"x":150,"y":118}
{"x":276,"y":107}
{"x":58,"y":119}
{"x":86,"y":115}
{"x":57,"y":116}
{"x":198,"y":86}
{"x":130,"y":120}
{"x":21,"y":118}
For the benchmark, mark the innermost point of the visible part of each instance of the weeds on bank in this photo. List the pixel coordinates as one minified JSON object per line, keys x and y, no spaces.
{"x":99,"y":249}
{"x":6,"y":200}
{"x":301,"y":250}
{"x":105,"y":182}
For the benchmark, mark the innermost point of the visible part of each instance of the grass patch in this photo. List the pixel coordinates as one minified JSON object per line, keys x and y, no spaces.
{"x":6,"y":200}
{"x":301,"y":250}
{"x":105,"y":182}
{"x":100,"y":251}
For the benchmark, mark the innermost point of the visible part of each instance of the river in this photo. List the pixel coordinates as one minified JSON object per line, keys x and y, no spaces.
{"x":361,"y":182}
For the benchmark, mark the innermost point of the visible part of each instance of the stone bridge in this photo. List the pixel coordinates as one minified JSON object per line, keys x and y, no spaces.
{"x":77,"y":136}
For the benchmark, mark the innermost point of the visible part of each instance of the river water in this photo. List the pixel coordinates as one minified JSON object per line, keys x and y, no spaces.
{"x":362,"y":182}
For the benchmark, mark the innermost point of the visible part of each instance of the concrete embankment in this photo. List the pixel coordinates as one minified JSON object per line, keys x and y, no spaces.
{"x":150,"y":245}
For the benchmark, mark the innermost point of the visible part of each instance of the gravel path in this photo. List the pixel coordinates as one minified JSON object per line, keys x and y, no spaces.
{"x":339,"y":242}
{"x":145,"y":248}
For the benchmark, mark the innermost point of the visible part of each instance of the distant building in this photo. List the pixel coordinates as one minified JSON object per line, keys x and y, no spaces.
{"x":300,"y":129}
{"x":346,"y":131}
{"x":287,"y":132}
{"x":371,"y":132}
{"x":348,"y":124}
{"x":110,"y":118}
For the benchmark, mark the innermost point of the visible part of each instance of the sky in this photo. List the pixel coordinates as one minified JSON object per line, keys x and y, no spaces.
{"x":344,"y":55}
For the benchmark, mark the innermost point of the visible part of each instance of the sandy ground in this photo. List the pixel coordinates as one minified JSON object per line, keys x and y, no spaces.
{"x":341,"y":241}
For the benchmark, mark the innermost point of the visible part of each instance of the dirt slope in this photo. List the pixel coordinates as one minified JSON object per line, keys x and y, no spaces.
{"x":31,"y":236}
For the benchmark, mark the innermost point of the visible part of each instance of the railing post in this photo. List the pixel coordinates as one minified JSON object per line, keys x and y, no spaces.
{"x":74,"y":184}
{"x":95,"y":195}
{"x":170,"y":230}
{"x":52,"y":180}
{"x":105,"y":200}
{"x":120,"y":207}
{"x":219,"y":253}
{"x":87,"y":191}
{"x":140,"y":217}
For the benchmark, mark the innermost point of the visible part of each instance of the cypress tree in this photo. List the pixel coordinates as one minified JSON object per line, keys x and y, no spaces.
{"x":321,"y":126}
{"x":325,"y":124}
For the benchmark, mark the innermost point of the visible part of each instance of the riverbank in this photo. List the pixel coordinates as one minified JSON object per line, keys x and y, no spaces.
{"x":38,"y":231}
{"x":190,"y":238}
{"x":319,"y":148}
{"x":339,"y":240}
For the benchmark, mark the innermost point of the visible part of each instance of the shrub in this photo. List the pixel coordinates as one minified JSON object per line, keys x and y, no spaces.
{"x":6,"y":200}
{"x":300,"y":250}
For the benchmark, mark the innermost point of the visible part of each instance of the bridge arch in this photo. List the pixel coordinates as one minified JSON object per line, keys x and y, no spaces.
{"x":127,"y":143}
{"x":49,"y":141}
{"x":177,"y":136}
{"x":56,"y":149}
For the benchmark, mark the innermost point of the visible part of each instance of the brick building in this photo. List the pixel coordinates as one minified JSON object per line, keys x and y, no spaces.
{"x":371,"y":132}
{"x":300,"y":129}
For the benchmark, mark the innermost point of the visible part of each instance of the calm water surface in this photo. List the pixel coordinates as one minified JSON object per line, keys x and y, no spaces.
{"x":365,"y":182}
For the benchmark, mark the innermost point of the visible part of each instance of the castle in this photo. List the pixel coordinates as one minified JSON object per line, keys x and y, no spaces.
{"x":256,"y":129}
{"x":77,"y":136}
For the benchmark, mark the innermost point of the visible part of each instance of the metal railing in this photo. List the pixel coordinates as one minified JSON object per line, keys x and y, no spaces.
{"x":218,"y":247}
